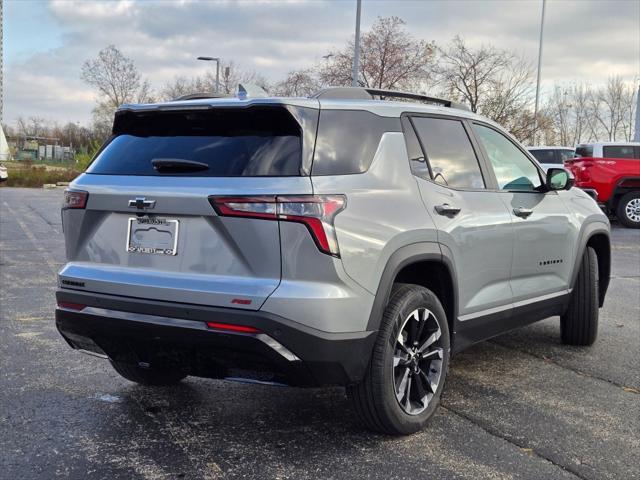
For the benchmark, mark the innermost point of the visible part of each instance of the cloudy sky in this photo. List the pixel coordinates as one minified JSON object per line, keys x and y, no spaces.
{"x":46,"y":42}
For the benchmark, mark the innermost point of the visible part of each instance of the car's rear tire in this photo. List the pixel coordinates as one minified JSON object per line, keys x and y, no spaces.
{"x":628,"y":210}
{"x":579,"y":324}
{"x":148,"y":376}
{"x":406,"y":374}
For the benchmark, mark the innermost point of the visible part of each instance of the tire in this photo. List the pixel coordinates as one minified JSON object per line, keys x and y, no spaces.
{"x":579,"y":324}
{"x":148,"y":376}
{"x":628,"y":210}
{"x":375,"y":399}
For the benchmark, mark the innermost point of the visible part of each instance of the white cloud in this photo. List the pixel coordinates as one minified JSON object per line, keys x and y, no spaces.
{"x":584,"y":41}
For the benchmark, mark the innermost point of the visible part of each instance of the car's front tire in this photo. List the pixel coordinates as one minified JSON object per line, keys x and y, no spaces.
{"x":579,"y":324}
{"x":148,"y":376}
{"x":628,"y":210}
{"x":403,"y":384}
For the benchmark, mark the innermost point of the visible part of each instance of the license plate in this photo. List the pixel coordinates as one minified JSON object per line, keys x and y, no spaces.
{"x":152,"y":235}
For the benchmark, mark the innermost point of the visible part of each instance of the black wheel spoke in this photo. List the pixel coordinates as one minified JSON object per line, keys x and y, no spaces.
{"x":407,"y":399}
{"x":420,"y":388}
{"x":428,"y":382}
{"x":423,"y":321}
{"x":413,"y":328}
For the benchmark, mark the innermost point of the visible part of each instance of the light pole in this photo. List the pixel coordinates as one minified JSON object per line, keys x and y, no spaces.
{"x":356,"y":53}
{"x":535,"y":111}
{"x":217,"y":60}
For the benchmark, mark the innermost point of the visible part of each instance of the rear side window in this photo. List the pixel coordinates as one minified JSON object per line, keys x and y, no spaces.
{"x":584,"y":151}
{"x":565,"y":155}
{"x":545,"y":156}
{"x":250,"y":142}
{"x":348,"y":139}
{"x":449,"y":152}
{"x":619,"y":151}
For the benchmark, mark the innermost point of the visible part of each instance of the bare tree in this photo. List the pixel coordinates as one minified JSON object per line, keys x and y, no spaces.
{"x":115,"y":76}
{"x":612,"y":108}
{"x":390,"y":58}
{"x":117,"y":80}
{"x":32,"y":127}
{"x":299,"y":83}
{"x":494,"y":83}
{"x":231,"y":76}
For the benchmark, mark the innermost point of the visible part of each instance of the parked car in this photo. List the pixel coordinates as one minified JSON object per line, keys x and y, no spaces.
{"x":3,"y":173}
{"x":551,"y":157}
{"x":610,"y":172}
{"x":332,"y":240}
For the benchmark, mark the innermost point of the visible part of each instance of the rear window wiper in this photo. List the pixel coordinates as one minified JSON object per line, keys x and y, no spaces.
{"x":177,"y":165}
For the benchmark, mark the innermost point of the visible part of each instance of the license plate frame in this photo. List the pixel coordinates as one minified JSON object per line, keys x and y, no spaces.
{"x":159,"y":224}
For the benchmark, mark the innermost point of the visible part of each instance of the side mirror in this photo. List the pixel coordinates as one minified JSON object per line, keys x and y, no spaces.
{"x":558,"y":179}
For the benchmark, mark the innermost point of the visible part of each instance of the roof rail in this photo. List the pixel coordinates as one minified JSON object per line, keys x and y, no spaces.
{"x":363,"y":93}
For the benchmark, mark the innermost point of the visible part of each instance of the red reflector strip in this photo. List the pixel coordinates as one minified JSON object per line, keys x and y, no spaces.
{"x":232,"y":328}
{"x":241,"y":301}
{"x":71,"y":306}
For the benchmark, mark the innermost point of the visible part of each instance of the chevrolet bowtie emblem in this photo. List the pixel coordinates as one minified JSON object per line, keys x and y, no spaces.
{"x":141,"y":203}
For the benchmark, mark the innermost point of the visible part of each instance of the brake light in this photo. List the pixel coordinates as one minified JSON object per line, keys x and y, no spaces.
{"x":316,"y":212}
{"x":71,"y":306}
{"x":75,"y":199}
{"x":232,"y":328}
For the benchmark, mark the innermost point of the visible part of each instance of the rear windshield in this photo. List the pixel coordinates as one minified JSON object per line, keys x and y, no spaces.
{"x":251,"y":142}
{"x":620,"y":151}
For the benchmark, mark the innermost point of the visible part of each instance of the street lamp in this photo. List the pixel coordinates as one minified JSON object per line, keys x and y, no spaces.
{"x":535,"y":111}
{"x":217,"y":60}
{"x":356,"y":49}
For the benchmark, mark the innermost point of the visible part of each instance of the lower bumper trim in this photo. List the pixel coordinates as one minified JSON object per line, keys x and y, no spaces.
{"x":158,"y":320}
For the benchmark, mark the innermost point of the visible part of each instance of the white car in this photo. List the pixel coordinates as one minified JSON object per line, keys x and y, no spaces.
{"x":3,"y":173}
{"x":551,"y":157}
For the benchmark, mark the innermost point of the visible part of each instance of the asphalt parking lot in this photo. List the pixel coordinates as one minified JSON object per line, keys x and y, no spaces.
{"x":521,"y":406}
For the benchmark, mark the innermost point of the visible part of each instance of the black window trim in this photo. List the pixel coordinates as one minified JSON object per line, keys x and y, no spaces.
{"x":490,"y":183}
{"x":530,"y":157}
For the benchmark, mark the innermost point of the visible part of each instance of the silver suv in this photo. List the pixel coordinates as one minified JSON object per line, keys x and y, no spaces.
{"x":342,"y":239}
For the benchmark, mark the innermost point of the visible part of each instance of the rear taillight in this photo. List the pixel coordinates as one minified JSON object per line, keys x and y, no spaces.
{"x":75,"y":199}
{"x":317,"y":212}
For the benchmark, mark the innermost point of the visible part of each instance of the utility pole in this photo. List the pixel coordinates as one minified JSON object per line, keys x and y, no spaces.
{"x":535,"y":111}
{"x":356,"y":53}
{"x":636,"y":136}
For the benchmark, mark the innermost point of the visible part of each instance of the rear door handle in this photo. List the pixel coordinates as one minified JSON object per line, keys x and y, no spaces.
{"x":522,"y":212}
{"x":446,"y":209}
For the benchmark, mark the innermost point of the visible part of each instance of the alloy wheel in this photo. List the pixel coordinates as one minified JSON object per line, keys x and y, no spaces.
{"x":417,"y":361}
{"x":632,"y":210}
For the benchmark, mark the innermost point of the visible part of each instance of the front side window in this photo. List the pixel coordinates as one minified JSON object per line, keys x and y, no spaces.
{"x":514,"y":171}
{"x":449,"y":152}
{"x":619,"y":151}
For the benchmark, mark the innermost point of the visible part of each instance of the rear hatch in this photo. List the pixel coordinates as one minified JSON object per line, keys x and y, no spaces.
{"x":146,"y":227}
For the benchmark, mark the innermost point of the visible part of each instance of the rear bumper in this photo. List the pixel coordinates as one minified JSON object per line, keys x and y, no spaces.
{"x":176,"y":335}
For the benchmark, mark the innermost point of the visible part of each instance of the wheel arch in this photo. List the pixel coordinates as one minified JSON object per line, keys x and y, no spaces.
{"x":623,"y":186}
{"x":408,"y":265}
{"x":597,"y":237}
